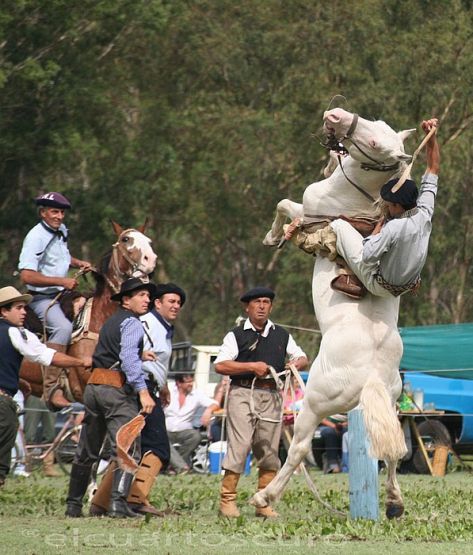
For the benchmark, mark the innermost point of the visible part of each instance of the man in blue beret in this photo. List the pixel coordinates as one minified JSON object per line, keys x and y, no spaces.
{"x":44,"y":263}
{"x":389,"y":261}
{"x":254,"y":401}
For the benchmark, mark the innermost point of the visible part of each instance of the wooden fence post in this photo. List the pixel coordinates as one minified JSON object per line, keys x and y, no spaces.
{"x":363,"y":470}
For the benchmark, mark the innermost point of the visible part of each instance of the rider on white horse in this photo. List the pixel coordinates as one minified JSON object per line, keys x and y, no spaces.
{"x":390,"y":260}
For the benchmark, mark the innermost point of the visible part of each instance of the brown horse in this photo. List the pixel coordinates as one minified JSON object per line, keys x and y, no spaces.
{"x":131,"y":256}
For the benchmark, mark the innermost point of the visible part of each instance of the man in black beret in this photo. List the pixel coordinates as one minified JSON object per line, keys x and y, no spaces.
{"x":44,"y":263}
{"x":389,"y":261}
{"x":254,"y":402}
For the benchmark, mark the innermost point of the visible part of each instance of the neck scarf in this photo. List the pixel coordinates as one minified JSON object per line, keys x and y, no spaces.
{"x":168,"y":327}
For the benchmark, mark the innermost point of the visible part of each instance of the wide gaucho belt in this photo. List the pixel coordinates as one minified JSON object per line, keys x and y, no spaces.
{"x":259,"y":383}
{"x":105,"y":376}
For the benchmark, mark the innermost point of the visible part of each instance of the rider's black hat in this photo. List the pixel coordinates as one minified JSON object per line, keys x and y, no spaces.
{"x":406,"y":195}
{"x":134,"y":284}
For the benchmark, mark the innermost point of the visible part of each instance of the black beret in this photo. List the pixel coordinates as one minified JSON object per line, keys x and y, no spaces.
{"x":134,"y":284}
{"x":406,"y":195}
{"x":165,"y":288}
{"x":256,"y":293}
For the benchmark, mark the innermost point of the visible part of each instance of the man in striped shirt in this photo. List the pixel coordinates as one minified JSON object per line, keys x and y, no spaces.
{"x":111,"y":397}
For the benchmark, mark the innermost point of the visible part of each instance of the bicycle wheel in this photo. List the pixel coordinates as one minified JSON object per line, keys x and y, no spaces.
{"x":66,"y":449}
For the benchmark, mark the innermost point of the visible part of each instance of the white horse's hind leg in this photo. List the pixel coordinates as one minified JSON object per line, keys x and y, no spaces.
{"x":394,"y":502}
{"x":285,"y":209}
{"x":301,"y":443}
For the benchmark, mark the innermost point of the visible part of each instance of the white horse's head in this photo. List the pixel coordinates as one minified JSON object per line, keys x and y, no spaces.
{"x":372,"y":143}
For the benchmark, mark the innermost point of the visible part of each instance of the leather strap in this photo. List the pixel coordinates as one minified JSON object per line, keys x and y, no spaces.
{"x":259,"y":383}
{"x":105,"y":376}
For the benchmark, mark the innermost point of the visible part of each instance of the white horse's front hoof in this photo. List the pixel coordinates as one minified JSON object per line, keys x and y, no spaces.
{"x":270,"y":241}
{"x":258,"y":500}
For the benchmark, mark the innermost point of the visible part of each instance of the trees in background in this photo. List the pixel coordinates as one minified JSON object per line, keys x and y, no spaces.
{"x":203,"y":115}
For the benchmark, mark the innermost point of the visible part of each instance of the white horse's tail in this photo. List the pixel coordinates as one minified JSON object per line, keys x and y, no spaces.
{"x":381,"y":421}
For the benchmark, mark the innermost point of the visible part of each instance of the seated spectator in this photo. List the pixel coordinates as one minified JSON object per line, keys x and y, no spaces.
{"x":219,"y":397}
{"x":185,"y":401}
{"x":292,"y":404}
{"x":331,"y":432}
{"x":39,"y":429}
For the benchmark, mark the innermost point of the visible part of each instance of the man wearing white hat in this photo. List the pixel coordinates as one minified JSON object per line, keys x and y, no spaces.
{"x":16,"y":343}
{"x":44,"y":263}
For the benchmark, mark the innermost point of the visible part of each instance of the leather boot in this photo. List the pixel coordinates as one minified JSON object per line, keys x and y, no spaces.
{"x":53,"y":395}
{"x":101,"y":499}
{"x":120,"y":488}
{"x":48,"y":466}
{"x":264,"y":478}
{"x":80,"y":475}
{"x":349,"y":285}
{"x":138,"y":498}
{"x":228,"y":495}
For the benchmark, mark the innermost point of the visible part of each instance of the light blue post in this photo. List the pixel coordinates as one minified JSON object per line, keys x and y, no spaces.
{"x":363,"y":470}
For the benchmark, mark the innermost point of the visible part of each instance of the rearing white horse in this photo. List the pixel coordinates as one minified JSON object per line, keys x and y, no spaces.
{"x":360,"y":351}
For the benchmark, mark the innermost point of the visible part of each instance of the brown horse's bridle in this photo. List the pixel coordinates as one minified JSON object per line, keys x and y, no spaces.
{"x":119,"y":249}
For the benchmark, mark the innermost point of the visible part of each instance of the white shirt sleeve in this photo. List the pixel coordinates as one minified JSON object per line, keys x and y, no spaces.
{"x":203,"y":400}
{"x":293,"y":350}
{"x":31,"y":347}
{"x":228,"y":349}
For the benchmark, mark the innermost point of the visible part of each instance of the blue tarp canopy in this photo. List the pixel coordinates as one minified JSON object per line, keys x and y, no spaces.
{"x":445,"y":350}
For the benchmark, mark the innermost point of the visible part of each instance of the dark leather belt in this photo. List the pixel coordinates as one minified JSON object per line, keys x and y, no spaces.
{"x":106,"y":376}
{"x":259,"y":383}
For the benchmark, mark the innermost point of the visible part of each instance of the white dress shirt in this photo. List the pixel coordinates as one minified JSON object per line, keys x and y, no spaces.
{"x":181,"y":418}
{"x":27,"y":344}
{"x":229,"y":348}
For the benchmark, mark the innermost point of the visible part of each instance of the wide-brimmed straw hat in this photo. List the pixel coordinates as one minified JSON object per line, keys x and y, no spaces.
{"x":10,"y":295}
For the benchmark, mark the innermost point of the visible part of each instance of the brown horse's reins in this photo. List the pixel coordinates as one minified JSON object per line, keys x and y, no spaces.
{"x":77,"y":275}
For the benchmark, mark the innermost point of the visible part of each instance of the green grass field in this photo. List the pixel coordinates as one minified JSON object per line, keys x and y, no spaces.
{"x":438,"y":520}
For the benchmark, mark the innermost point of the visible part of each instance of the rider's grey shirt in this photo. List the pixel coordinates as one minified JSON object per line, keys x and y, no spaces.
{"x":401,"y":246}
{"x":45,"y":251}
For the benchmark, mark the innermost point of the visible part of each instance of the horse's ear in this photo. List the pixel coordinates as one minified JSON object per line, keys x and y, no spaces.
{"x":406,"y":133}
{"x":142,"y":228}
{"x":117,"y":228}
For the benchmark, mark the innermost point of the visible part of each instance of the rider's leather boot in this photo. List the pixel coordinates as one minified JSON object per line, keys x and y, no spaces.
{"x":52,"y":392}
{"x":264,"y":478}
{"x":80,"y":475}
{"x":120,"y":488}
{"x":228,"y":495}
{"x":138,"y":498}
{"x":101,"y":499}
{"x":349,"y":285}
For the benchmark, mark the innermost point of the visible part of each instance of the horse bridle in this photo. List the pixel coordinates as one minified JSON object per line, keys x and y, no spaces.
{"x":336,"y":144}
{"x":118,"y":248}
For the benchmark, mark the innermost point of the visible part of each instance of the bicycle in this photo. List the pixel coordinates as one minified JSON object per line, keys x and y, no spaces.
{"x":63,"y":445}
